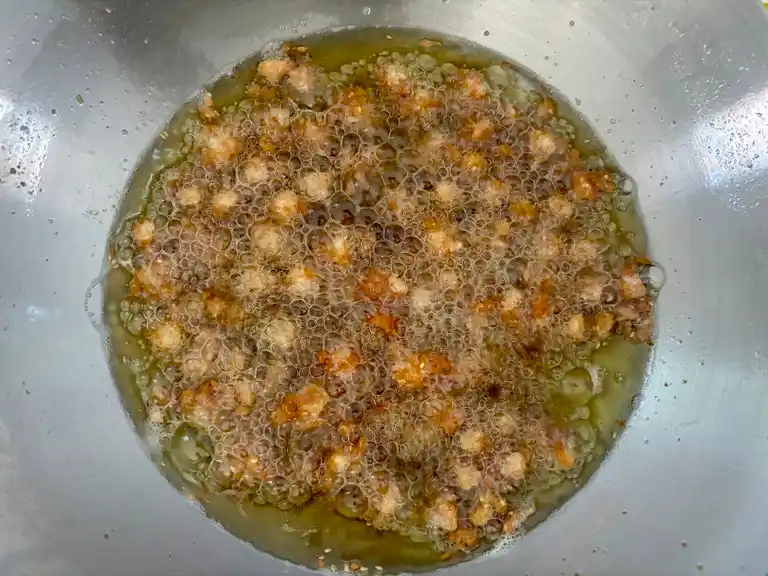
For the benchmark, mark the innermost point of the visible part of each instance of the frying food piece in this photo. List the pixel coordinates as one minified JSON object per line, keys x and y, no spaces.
{"x":254,"y":171}
{"x":223,"y":202}
{"x":443,"y":515}
{"x":143,"y":231}
{"x":167,"y":336}
{"x":274,"y":70}
{"x":384,"y":322}
{"x":340,"y":361}
{"x":304,"y":406}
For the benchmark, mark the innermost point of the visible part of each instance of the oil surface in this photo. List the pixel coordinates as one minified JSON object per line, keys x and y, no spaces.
{"x":307,"y":533}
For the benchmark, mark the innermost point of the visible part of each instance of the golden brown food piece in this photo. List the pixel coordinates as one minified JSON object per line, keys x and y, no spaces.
{"x":467,"y":476}
{"x":481,"y":128}
{"x":341,"y":460}
{"x":201,"y":404}
{"x":395,"y":78}
{"x":338,"y":249}
{"x":254,"y":282}
{"x":511,"y":300}
{"x":254,"y":171}
{"x":167,"y":336}
{"x":464,"y":538}
{"x":315,"y":131}
{"x":546,"y":109}
{"x":523,"y":211}
{"x":340,"y":361}
{"x":246,"y":392}
{"x":443,"y":515}
{"x":206,"y":108}
{"x":603,"y":324}
{"x":590,"y":290}
{"x":276,"y":120}
{"x":231,"y":360}
{"x":563,"y":454}
{"x":435,"y":364}
{"x":486,"y":305}
{"x":304,"y":406}
{"x":448,"y":192}
{"x":397,"y":286}
{"x":543,"y":144}
{"x":316,"y":185}
{"x":159,"y":395}
{"x":296,"y":52}
{"x":303,"y":78}
{"x":507,"y":423}
{"x":274,"y":70}
{"x":354,"y":106}
{"x":541,"y":305}
{"x":632,"y":286}
{"x":388,"y":499}
{"x":219,"y":145}
{"x":281,"y":333}
{"x":302,"y":281}
{"x":576,"y":327}
{"x":231,"y":315}
{"x":377,"y":285}
{"x":435,"y":143}
{"x":494,"y":192}
{"x":474,"y":161}
{"x":487,"y":505}
{"x":450,"y":419}
{"x":585,"y":251}
{"x":549,"y":245}
{"x":421,"y":102}
{"x":407,"y":372}
{"x":472,"y":441}
{"x":413,"y":371}
{"x":268,"y":239}
{"x":587,"y":185}
{"x":190,"y":196}
{"x":426,"y":43}
{"x":153,"y":281}
{"x":223,"y":202}
{"x":287,"y":205}
{"x":143,"y":231}
{"x":215,"y":306}
{"x":422,"y":298}
{"x":473,"y":84}
{"x":515,"y":519}
{"x":513,"y":466}
{"x":441,"y":237}
{"x":560,"y":207}
{"x":387,"y":323}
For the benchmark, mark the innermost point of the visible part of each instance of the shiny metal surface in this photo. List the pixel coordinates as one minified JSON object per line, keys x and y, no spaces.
{"x":679,"y":92}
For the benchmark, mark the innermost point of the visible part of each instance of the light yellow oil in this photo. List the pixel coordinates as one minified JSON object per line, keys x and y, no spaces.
{"x":300,"y":536}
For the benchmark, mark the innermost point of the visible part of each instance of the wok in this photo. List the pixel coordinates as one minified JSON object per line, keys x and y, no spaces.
{"x":677,"y":90}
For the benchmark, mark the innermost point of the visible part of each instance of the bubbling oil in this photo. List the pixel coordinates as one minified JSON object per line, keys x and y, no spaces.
{"x":375,"y":299}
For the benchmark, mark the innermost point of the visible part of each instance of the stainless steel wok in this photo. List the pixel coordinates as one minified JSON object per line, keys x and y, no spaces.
{"x":677,"y":89}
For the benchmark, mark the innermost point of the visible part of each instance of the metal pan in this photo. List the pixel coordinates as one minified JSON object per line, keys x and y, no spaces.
{"x":679,"y":93}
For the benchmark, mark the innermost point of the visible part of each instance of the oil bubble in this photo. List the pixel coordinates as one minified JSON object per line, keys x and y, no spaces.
{"x":654,"y":276}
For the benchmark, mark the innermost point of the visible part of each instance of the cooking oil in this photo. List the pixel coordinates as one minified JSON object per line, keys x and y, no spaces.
{"x":315,"y":535}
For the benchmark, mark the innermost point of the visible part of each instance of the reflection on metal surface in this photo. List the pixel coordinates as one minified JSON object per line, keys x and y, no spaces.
{"x":732,"y":144}
{"x":5,"y":106}
{"x":25,"y":135}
